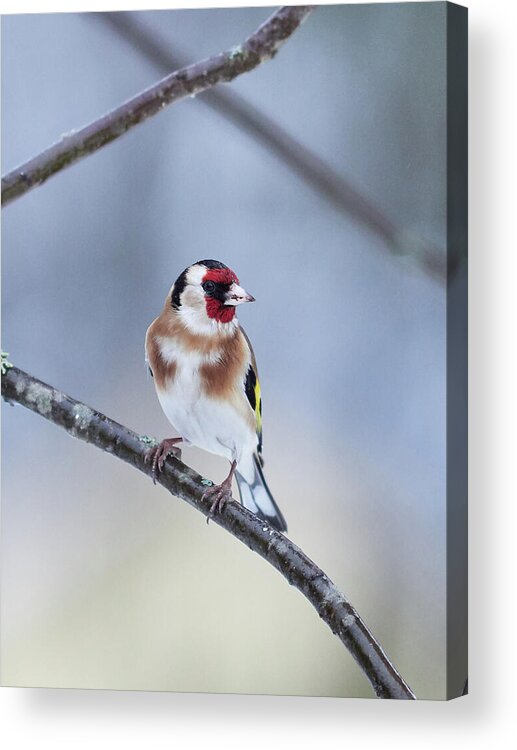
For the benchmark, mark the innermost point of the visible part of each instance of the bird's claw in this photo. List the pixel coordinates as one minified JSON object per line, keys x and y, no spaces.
{"x":221,"y":494}
{"x":157,"y":455}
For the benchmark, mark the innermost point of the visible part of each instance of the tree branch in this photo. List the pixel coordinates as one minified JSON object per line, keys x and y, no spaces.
{"x":86,"y":424}
{"x":304,"y":162}
{"x":262,"y":45}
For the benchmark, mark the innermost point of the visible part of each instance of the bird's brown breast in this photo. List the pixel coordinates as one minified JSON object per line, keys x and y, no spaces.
{"x":226,"y":355}
{"x":163,"y":370}
{"x":222,"y":377}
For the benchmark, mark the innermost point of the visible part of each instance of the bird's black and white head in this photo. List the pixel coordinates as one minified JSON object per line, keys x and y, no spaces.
{"x":206,"y":294}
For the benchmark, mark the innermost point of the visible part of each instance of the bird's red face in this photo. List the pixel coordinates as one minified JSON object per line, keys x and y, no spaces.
{"x":207,"y":292}
{"x":223,"y":294}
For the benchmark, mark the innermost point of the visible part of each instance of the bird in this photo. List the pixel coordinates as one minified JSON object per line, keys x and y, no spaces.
{"x":206,"y":379}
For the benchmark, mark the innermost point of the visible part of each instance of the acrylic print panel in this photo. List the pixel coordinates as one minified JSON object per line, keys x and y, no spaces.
{"x":330,"y":178}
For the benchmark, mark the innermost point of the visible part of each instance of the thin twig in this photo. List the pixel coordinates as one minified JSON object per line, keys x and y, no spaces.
{"x":293,"y":153}
{"x":86,"y":424}
{"x":262,"y":45}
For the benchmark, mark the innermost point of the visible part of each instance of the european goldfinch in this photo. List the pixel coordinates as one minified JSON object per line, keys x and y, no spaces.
{"x":207,"y":383}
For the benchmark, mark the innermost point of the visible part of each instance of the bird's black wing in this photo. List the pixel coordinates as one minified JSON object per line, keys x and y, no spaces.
{"x":252,"y":390}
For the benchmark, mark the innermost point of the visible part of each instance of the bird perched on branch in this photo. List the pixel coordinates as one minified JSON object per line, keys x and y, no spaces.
{"x":207,"y":383}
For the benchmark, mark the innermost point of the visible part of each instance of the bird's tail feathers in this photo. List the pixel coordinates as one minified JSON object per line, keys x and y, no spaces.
{"x":255,"y":496}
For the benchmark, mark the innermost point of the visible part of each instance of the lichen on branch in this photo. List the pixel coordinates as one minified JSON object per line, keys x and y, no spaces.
{"x":6,"y":365}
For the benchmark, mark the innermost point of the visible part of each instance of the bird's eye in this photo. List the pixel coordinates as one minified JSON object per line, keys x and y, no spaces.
{"x":209,"y":287}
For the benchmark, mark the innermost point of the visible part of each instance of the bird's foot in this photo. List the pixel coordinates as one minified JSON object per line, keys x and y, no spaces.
{"x":157,"y":455}
{"x":220,"y":494}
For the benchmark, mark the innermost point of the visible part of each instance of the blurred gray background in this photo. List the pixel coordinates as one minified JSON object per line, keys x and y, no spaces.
{"x":109,"y":582}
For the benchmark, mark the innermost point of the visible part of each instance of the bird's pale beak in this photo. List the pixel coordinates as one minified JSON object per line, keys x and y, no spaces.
{"x":236,"y":295}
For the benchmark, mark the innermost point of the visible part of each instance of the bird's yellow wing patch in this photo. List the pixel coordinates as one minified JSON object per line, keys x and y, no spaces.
{"x":258,"y":407}
{"x":252,"y":389}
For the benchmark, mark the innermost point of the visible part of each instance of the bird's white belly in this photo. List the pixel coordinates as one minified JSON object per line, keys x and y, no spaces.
{"x":211,"y":424}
